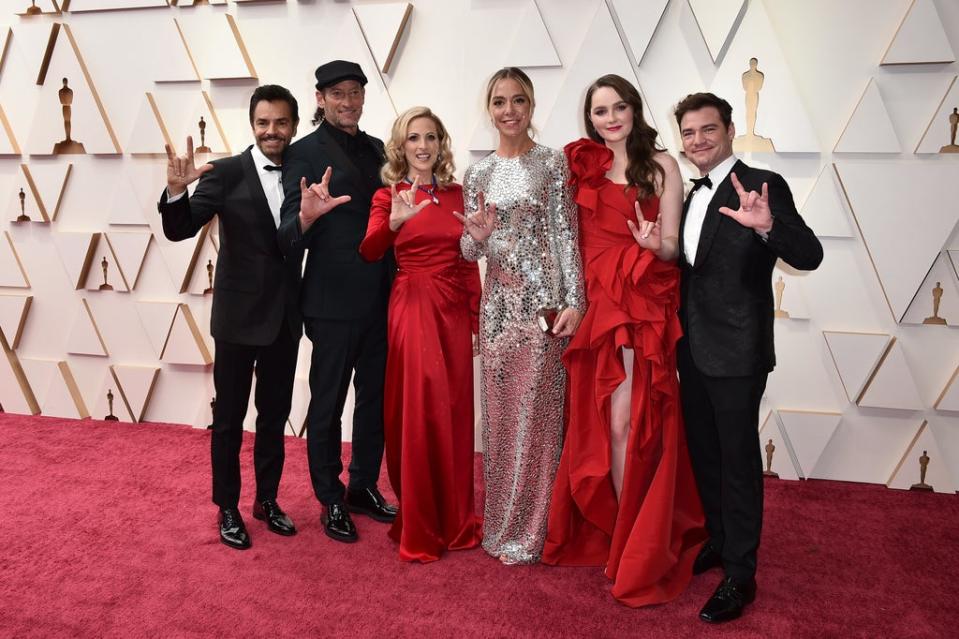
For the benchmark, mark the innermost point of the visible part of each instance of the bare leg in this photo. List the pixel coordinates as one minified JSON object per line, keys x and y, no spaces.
{"x":619,"y":423}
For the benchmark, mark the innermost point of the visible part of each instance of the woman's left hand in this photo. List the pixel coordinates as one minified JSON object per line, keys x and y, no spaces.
{"x":475,"y":345}
{"x":647,"y":234}
{"x":567,"y":322}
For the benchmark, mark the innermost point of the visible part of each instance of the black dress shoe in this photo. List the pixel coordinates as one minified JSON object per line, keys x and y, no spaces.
{"x":232,"y":531}
{"x":369,"y":501}
{"x":728,"y":601}
{"x":276,"y":520}
{"x":707,"y":559}
{"x":337,"y":523}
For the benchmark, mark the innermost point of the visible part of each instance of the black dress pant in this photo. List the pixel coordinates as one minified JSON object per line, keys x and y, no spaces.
{"x":233,"y":370}
{"x":341,"y":347}
{"x":722,"y":421}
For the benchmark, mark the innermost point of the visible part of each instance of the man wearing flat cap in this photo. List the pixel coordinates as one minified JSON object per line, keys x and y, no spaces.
{"x":329,"y":178}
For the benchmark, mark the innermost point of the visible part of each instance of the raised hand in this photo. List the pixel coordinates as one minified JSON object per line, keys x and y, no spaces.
{"x":403,"y":205}
{"x":754,"y":212}
{"x":181,"y":170}
{"x":480,"y":223}
{"x":316,"y":201}
{"x":647,"y":234}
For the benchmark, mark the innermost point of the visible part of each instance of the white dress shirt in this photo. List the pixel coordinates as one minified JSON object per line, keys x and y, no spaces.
{"x":272,"y":182}
{"x":696,"y":213}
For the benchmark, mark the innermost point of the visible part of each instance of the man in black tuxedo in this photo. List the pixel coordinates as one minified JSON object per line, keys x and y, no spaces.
{"x":256,"y":321}
{"x":737,"y":220}
{"x":343,"y":299}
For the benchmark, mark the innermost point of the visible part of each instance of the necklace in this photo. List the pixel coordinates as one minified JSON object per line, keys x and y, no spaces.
{"x":429,"y":190}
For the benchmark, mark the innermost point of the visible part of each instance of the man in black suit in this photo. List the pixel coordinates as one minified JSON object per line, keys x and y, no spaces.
{"x":343,"y":298}
{"x":256,"y":321}
{"x":736,"y":222}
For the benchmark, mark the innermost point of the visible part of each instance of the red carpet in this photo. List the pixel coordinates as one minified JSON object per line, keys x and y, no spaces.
{"x":108,"y":531}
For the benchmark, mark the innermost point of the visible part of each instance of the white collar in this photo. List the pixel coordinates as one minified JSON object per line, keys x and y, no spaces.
{"x":721,"y":170}
{"x":259,"y":159}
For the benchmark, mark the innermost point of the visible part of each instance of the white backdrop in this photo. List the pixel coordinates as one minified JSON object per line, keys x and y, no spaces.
{"x":856,"y":100}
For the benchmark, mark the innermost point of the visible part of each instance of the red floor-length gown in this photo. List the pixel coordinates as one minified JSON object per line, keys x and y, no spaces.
{"x":647,"y":540}
{"x":428,"y":396}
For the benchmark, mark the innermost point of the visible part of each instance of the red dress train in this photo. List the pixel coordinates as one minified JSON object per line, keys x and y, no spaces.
{"x":428,"y":396}
{"x":647,"y":540}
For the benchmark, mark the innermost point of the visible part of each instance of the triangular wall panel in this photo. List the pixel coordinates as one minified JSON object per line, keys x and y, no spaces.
{"x":129,"y":249}
{"x":12,"y":273}
{"x":76,"y":251}
{"x":892,"y":385}
{"x":937,"y":138}
{"x":908,"y":471}
{"x":532,"y":45}
{"x":84,"y":337}
{"x":782,"y":462}
{"x":809,"y":433}
{"x":185,"y":344}
{"x":825,"y":209}
{"x":157,"y":319}
{"x":940,"y":284}
{"x":382,"y":26}
{"x":135,"y":384}
{"x":215,"y":45}
{"x":638,"y":21}
{"x":869,"y":129}
{"x":920,"y":38}
{"x":716,"y":19}
{"x":856,"y":356}
{"x":14,"y":310}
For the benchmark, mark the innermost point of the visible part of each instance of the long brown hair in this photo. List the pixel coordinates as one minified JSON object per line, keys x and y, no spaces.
{"x":641,"y":169}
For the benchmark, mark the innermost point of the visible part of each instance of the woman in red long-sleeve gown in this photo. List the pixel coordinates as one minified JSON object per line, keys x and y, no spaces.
{"x":433,"y":320}
{"x":625,"y":496}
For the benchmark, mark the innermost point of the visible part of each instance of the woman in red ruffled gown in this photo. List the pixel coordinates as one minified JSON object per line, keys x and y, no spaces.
{"x":624,"y":496}
{"x":433,"y":312}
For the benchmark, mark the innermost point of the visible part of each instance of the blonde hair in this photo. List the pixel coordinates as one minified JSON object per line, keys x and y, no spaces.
{"x":397,"y":168}
{"x":517,"y":74}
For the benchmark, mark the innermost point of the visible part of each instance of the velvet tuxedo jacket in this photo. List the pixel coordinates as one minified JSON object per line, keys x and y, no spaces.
{"x":726,"y":299}
{"x":255,"y":287}
{"x":337,"y":284}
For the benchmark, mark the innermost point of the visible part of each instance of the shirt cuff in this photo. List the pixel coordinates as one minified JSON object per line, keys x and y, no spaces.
{"x":171,"y":199}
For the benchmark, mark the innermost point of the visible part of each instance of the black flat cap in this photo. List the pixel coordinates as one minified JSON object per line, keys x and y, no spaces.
{"x":336,"y":71}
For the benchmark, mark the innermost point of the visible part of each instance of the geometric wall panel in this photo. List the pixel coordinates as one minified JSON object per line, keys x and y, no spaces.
{"x":825,"y":209}
{"x":125,"y":206}
{"x":892,"y":384}
{"x":382,"y":26}
{"x":880,"y":205}
{"x":76,"y":251}
{"x":869,"y":129}
{"x":938,"y":134}
{"x":8,"y":140}
{"x":788,"y":295}
{"x":12,"y":273}
{"x":135,"y":384}
{"x":856,"y":356}
{"x":937,"y":300}
{"x":178,"y":115}
{"x":532,"y":45}
{"x":781,"y":457}
{"x":14,"y":310}
{"x":920,"y":38}
{"x":157,"y":320}
{"x":149,"y":134}
{"x":37,"y":7}
{"x":909,"y":469}
{"x":69,"y":97}
{"x":55,"y":388}
{"x":103,"y":273}
{"x":185,"y":344}
{"x":780,"y":115}
{"x":102,"y":407}
{"x":716,"y":19}
{"x":214,"y":44}
{"x":638,"y":21}
{"x":46,"y":184}
{"x":79,"y":6}
{"x":129,"y":249}
{"x":84,"y":337}
{"x":809,"y":432}
{"x":16,"y":395}
{"x":949,"y":397}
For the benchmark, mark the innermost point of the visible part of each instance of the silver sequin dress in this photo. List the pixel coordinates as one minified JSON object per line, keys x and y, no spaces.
{"x":533,"y":262}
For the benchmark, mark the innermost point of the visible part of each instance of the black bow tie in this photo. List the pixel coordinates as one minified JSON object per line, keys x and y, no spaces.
{"x":703,"y":181}
{"x":273,"y":167}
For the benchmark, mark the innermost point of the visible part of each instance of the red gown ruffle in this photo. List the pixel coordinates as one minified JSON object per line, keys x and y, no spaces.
{"x":649,"y":538}
{"x":428,"y":394}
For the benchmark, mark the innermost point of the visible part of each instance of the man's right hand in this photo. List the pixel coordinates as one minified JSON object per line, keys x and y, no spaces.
{"x":316,"y":201}
{"x":181,"y":170}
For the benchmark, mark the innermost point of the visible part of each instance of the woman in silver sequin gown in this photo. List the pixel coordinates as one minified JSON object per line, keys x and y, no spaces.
{"x":525,"y":226}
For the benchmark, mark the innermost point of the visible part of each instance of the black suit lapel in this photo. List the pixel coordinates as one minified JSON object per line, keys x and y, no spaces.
{"x":261,"y":205}
{"x":341,"y":161}
{"x":682,"y":229}
{"x":725,"y":196}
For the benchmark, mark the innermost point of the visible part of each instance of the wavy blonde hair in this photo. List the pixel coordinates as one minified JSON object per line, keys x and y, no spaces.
{"x":397,"y":168}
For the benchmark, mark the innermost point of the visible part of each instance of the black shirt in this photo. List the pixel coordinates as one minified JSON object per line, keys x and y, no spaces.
{"x":361,"y":152}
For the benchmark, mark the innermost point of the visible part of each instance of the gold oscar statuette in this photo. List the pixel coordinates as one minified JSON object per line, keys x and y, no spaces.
{"x":33,"y":9}
{"x":212,"y":412}
{"x":936,"y":299}
{"x":770,"y":449}
{"x":752,"y":84}
{"x":68,"y":145}
{"x":105,"y":266}
{"x":780,"y":286}
{"x":203,"y":148}
{"x":923,"y":467}
{"x":23,"y":217}
{"x":209,"y":276}
{"x":953,"y":125}
{"x":111,"y":417}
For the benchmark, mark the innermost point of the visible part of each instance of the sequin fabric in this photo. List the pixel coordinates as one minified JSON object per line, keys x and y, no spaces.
{"x":533,"y":262}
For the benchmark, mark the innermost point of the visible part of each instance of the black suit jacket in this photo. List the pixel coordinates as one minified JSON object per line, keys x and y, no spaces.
{"x":337,"y":284}
{"x":726,"y":300}
{"x":255,"y":286}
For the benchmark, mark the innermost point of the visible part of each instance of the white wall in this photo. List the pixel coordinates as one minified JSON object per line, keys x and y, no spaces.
{"x":885,"y":213}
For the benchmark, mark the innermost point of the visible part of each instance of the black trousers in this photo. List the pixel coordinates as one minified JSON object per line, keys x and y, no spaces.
{"x":233,"y":371}
{"x":340,"y":348}
{"x":722,"y":423}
